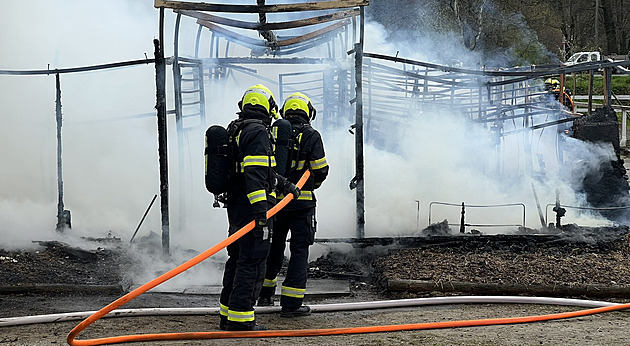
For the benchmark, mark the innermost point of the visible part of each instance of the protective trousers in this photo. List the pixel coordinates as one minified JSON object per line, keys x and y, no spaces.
{"x":302,"y":225}
{"x":245,"y":268}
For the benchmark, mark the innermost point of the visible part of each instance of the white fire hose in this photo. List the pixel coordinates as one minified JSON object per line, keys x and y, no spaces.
{"x":381,"y":304}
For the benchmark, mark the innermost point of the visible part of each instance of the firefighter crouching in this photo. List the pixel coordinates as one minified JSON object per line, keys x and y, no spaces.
{"x":249,"y":196}
{"x":306,"y":151}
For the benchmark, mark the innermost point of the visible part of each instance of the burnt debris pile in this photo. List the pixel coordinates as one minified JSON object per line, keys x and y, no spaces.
{"x":608,"y":187}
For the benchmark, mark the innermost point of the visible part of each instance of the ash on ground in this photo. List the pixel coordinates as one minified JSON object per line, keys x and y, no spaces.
{"x":567,"y":255}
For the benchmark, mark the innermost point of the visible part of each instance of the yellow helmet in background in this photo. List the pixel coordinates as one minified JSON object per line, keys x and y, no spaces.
{"x":260,"y":95}
{"x":552,"y":83}
{"x":298,"y":103}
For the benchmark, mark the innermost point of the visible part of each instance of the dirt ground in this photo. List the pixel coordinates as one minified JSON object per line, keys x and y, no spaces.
{"x":603,"y":329}
{"x":603,"y":259}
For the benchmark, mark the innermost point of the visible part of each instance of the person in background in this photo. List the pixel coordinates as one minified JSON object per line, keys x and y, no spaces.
{"x":305,"y":152}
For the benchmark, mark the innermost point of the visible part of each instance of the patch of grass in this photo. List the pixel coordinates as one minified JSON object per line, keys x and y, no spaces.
{"x":620,"y":84}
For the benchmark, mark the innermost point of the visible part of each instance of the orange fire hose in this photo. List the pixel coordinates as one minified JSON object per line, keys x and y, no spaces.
{"x":169,"y":275}
{"x":352,"y":330}
{"x":287,"y":333}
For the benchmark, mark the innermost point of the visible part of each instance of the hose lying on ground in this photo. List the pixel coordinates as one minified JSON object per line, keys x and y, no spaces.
{"x":343,"y":331}
{"x":285,"y":333}
{"x":315,"y":308}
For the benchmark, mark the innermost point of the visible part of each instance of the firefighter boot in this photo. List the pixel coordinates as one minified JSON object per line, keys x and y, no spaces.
{"x":303,"y":310}
{"x":244,"y":326}
{"x":223,"y":322}
{"x":265,"y":301}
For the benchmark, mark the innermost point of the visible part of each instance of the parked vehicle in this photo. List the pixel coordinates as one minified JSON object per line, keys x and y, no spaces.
{"x":582,"y":57}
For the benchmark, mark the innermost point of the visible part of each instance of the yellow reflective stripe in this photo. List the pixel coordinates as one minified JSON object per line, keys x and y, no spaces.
{"x":300,"y":164}
{"x":223,"y":310}
{"x":240,"y":316}
{"x":293,"y":292}
{"x":319,"y":164}
{"x":273,"y":194}
{"x":305,"y":195}
{"x":273,"y":161}
{"x":270,"y":283}
{"x":256,"y":160}
{"x":206,"y":155}
{"x":257,"y":196}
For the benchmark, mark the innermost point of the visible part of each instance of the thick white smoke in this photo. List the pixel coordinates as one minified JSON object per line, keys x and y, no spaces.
{"x":110,"y":162}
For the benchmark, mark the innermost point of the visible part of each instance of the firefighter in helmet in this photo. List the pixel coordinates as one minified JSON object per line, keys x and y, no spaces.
{"x":306,"y":151}
{"x":552,"y":86}
{"x":249,"y":196}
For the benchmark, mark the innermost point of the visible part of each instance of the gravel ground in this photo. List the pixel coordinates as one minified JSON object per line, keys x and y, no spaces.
{"x":557,"y":259}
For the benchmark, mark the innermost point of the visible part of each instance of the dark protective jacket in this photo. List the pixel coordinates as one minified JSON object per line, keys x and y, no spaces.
{"x":249,"y":194}
{"x":307,"y":153}
{"x":252,"y":179}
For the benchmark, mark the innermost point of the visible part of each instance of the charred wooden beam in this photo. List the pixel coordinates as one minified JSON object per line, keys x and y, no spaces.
{"x":266,"y":33}
{"x":282,"y":43}
{"x":270,"y":26}
{"x":314,"y":34}
{"x":246,"y":40}
{"x":160,"y":106}
{"x":298,"y":7}
{"x":296,"y":48}
{"x":63,"y":216}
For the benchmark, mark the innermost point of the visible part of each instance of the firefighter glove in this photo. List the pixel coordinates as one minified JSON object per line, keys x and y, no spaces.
{"x":286,"y":187}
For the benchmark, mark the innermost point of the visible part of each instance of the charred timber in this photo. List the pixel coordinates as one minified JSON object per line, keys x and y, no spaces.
{"x":314,"y":34}
{"x":299,"y":7}
{"x":270,"y":26}
{"x":281,"y":43}
{"x":608,"y":185}
{"x":266,"y":34}
{"x":476,"y":288}
{"x":246,"y":40}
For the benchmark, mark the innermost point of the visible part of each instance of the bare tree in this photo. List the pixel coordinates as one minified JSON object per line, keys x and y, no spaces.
{"x":470,"y":19}
{"x":610,"y":27}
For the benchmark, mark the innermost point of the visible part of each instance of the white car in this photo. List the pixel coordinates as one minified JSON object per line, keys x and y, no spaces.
{"x":582,"y":57}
